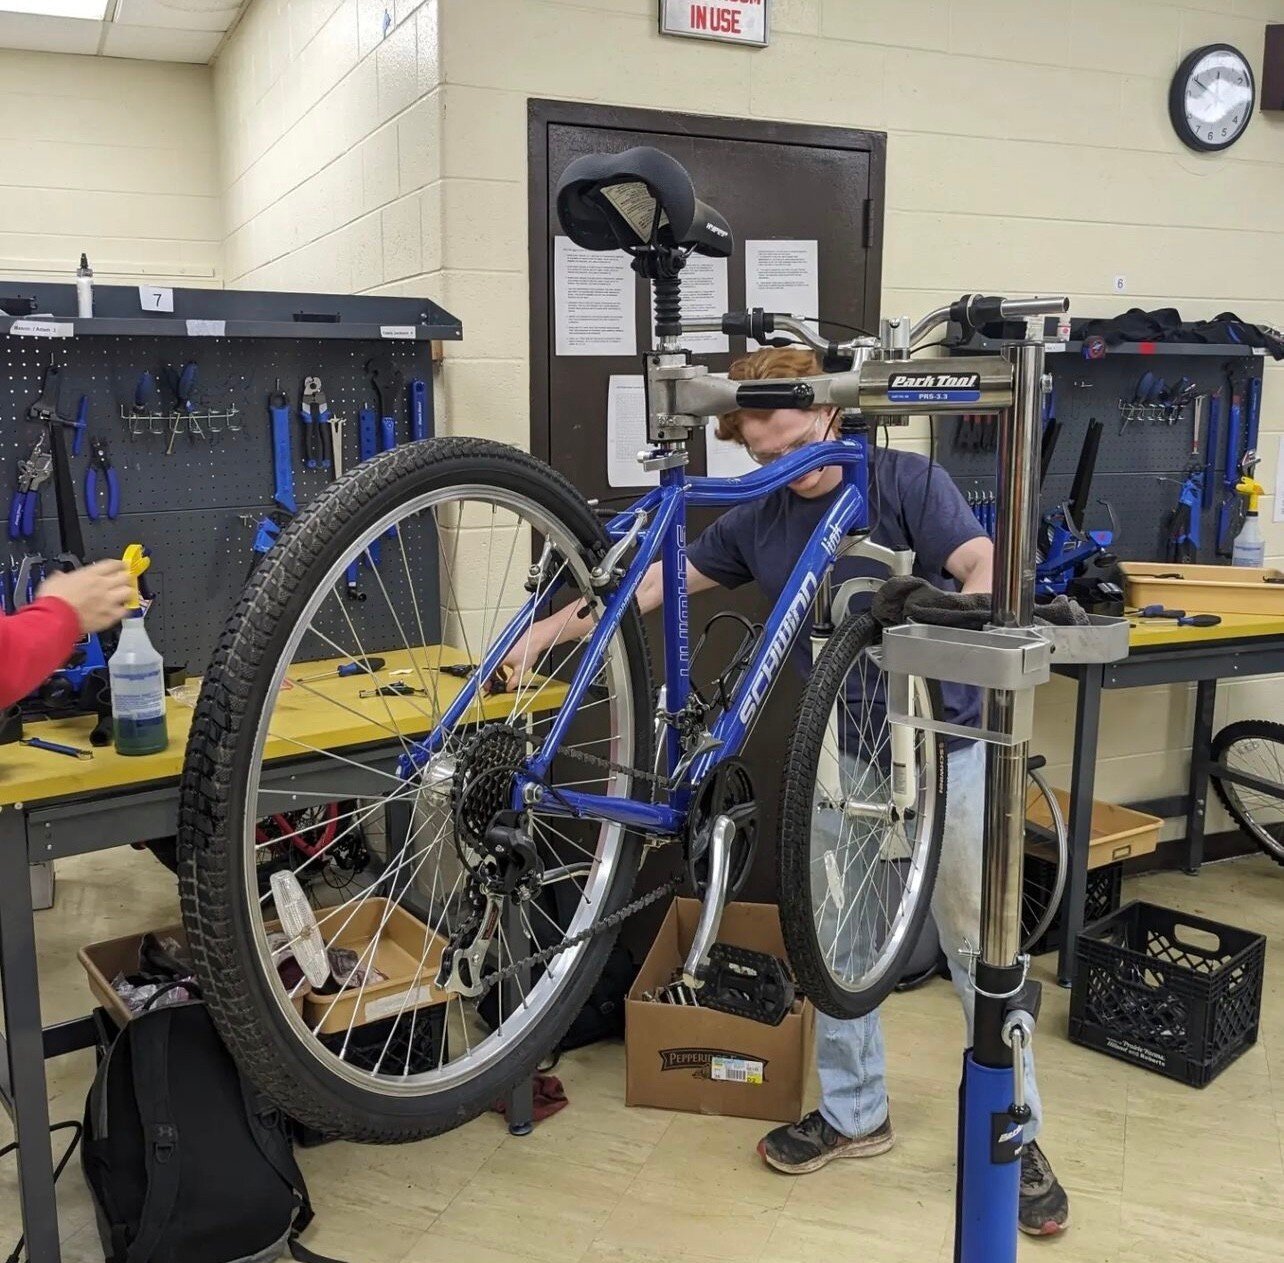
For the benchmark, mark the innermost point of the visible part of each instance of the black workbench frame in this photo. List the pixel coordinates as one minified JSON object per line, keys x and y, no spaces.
{"x":1202,"y":663}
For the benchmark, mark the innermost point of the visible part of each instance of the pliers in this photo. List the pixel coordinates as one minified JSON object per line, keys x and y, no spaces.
{"x":100,"y":462}
{"x":314,"y":412}
{"x":33,"y":473}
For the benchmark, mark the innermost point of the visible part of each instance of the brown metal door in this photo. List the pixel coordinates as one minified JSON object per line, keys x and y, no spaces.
{"x":770,"y":180}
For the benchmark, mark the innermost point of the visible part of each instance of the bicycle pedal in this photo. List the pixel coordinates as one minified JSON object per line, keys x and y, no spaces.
{"x":746,"y":983}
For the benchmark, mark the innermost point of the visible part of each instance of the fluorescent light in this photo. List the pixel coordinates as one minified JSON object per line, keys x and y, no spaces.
{"x":94,"y":9}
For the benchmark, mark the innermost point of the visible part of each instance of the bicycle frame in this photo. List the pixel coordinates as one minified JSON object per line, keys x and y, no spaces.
{"x":665,"y":538}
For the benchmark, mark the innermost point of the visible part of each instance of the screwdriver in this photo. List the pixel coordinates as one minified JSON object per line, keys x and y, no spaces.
{"x":1180,"y":617}
{"x":358,"y":666}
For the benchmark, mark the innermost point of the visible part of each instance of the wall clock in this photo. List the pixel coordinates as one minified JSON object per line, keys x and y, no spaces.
{"x":1212,"y":97}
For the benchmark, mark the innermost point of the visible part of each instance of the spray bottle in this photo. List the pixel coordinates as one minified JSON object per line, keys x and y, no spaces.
{"x":1250,"y":546}
{"x":84,"y":288}
{"x":137,"y":675}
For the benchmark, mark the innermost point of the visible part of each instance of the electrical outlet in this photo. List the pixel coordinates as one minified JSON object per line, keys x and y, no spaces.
{"x":1121,"y":284}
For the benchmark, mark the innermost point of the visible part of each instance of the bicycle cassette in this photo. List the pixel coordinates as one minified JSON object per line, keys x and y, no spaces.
{"x":482,"y":783}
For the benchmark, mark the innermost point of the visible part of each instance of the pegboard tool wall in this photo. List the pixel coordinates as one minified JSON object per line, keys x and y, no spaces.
{"x":1130,"y":462}
{"x":187,"y":507}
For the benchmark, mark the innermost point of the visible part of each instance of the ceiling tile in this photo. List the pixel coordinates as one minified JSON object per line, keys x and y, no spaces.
{"x":49,"y":35}
{"x":159,"y":44}
{"x":183,"y":15}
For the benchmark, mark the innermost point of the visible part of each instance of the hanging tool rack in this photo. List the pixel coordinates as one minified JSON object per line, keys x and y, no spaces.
{"x":180,"y":403}
{"x":1154,"y":434}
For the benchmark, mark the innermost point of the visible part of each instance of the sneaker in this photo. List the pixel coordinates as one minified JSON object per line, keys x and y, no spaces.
{"x":1044,"y":1209}
{"x":810,"y":1143}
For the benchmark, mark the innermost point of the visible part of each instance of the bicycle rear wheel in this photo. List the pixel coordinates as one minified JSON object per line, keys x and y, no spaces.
{"x":856,"y":872}
{"x":376,"y":1042}
{"x":1254,"y":747}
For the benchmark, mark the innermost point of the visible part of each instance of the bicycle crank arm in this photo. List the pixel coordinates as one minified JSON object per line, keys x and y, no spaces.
{"x":715,"y":896}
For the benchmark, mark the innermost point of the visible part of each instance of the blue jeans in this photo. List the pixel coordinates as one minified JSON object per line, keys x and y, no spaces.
{"x":850,"y":1057}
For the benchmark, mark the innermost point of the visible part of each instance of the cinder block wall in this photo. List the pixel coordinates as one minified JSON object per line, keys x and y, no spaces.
{"x":379,"y":146}
{"x":1029,"y":150}
{"x":113,"y":157}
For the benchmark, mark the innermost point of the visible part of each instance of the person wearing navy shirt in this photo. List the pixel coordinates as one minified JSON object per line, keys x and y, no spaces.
{"x":914,"y":504}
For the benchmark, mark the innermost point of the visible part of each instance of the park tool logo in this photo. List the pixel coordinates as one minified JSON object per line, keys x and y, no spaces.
{"x":938,"y":387}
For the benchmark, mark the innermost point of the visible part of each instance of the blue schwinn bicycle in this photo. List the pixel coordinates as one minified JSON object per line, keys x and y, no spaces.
{"x":394,"y":978}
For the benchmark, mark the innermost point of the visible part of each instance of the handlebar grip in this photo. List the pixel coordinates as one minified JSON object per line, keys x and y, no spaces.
{"x":767,"y":396}
{"x":755,"y":323}
{"x":978,"y":310}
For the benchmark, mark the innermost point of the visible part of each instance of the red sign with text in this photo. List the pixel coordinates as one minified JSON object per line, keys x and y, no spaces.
{"x":735,"y":21}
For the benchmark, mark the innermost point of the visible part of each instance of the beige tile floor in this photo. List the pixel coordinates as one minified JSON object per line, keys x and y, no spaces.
{"x":1157,"y":1172}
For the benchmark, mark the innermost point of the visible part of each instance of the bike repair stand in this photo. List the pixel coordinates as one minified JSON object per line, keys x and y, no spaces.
{"x":1008,"y":660}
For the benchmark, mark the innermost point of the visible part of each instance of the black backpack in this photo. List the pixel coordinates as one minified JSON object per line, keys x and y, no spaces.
{"x":186,"y":1162}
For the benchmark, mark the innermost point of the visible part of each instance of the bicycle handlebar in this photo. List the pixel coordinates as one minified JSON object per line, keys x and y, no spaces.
{"x":970,"y":312}
{"x":974,"y":310}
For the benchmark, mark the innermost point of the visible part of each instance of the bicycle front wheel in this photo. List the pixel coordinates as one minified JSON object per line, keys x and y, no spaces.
{"x":320,"y":953}
{"x":1254,"y":747}
{"x":857,"y":861}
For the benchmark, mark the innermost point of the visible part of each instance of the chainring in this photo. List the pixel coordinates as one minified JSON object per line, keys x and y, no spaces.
{"x":729,"y":790}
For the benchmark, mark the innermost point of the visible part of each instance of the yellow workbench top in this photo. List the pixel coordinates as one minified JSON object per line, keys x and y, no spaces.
{"x":304,"y":721}
{"x":1161,"y":633}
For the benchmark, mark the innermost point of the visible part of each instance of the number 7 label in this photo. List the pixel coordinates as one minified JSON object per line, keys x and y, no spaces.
{"x":155,"y":298}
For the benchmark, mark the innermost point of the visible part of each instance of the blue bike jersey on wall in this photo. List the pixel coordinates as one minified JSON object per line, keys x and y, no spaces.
{"x":913,"y":504}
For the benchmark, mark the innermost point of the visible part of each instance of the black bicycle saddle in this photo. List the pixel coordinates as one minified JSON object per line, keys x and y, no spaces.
{"x":611,"y":201}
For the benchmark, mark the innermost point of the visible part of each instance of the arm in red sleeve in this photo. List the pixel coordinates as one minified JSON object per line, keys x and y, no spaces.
{"x":34,"y":643}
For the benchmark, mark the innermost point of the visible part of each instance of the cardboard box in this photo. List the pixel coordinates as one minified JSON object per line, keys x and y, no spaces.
{"x":1117,"y":833}
{"x":404,"y":954}
{"x":693,"y":1059}
{"x":103,"y":961}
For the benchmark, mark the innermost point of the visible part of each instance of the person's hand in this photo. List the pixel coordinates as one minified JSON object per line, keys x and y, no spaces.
{"x":521,"y":660}
{"x":100,"y":594}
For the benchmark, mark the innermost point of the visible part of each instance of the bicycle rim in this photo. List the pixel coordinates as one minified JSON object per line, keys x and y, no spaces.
{"x":869,"y":865}
{"x":1045,"y":840}
{"x":1256,"y":750}
{"x":426,"y":862}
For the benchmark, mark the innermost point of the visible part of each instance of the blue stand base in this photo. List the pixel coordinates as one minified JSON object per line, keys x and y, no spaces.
{"x":989,"y":1167}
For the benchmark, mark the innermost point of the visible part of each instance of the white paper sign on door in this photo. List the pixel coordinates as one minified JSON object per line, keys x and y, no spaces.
{"x":783,"y":276}
{"x":626,"y":432}
{"x":704,"y":297}
{"x":724,"y":458}
{"x":593,"y":296}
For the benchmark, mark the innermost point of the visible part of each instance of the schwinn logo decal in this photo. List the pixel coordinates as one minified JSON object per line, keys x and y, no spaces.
{"x":699,"y":1058}
{"x":778,"y":648}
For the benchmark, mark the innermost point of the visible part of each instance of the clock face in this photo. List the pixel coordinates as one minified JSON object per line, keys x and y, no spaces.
{"x":1212,"y":97}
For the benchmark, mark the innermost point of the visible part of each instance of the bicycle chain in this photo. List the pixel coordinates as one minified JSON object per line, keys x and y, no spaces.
{"x":583,"y":756}
{"x":544,"y":955}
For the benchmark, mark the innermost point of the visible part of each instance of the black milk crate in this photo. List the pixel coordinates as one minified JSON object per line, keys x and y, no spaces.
{"x":422,"y":1031}
{"x":1172,"y":992}
{"x":417,"y":1043}
{"x":1105,"y":887}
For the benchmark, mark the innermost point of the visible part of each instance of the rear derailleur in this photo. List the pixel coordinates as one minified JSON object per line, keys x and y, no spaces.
{"x":507,"y":868}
